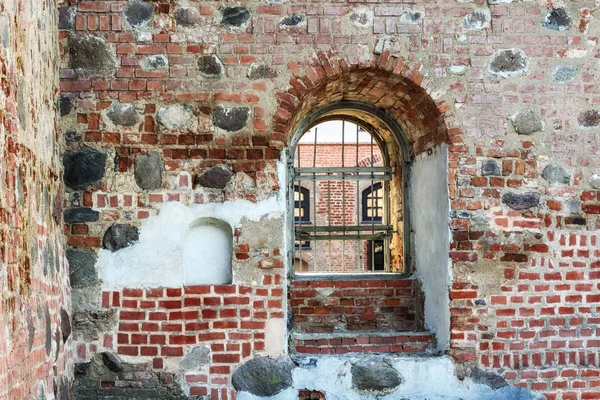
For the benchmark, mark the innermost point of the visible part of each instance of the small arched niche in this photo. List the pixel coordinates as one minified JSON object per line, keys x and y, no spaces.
{"x":207,"y":253}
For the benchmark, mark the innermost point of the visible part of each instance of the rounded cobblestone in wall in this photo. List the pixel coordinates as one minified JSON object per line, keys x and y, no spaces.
{"x":155,"y":62}
{"x":589,"y":119}
{"x":148,"y":170}
{"x":375,"y":378}
{"x":508,"y":63}
{"x":490,"y":167}
{"x":521,"y":201}
{"x":65,"y":106}
{"x":138,"y":13}
{"x":361,"y":17}
{"x":556,"y":174}
{"x":411,"y":17}
{"x":215,"y":177}
{"x":187,"y":17}
{"x":90,"y":54}
{"x":66,"y":17}
{"x":111,"y":362}
{"x":231,"y":119}
{"x":82,"y":268}
{"x":564,"y":73}
{"x":48,"y":323}
{"x":177,"y":116}
{"x":477,"y":20}
{"x":65,"y":324}
{"x":119,"y":236}
{"x":526,"y":122}
{"x":210,"y":66}
{"x":122,"y":114}
{"x":490,"y":379}
{"x":235,"y":17}
{"x":595,"y":181}
{"x":293,"y":20}
{"x":263,"y":376}
{"x":79,"y":215}
{"x":558,"y":19}
{"x":83,"y":167}
{"x":262,"y":71}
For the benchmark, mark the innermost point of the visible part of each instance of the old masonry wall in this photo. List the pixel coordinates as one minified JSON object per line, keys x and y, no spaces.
{"x":36,"y":361}
{"x":176,"y":116}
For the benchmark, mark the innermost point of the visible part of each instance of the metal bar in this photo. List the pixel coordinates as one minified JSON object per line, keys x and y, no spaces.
{"x":372,"y":214}
{"x":335,"y":170}
{"x":343,"y":193}
{"x":314,"y":198}
{"x":357,"y":203}
{"x":347,"y":228}
{"x":370,"y":236}
{"x":341,"y":178}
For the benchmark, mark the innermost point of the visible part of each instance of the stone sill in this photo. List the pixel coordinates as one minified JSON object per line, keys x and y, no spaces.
{"x":348,"y":277}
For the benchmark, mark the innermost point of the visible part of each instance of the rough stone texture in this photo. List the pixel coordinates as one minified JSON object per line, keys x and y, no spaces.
{"x":82,"y":268}
{"x":490,"y":167}
{"x":119,"y":236}
{"x":376,"y":377}
{"x":83,"y":167}
{"x":111,"y":362}
{"x":66,"y":16}
{"x":261,"y":71}
{"x":411,"y":17}
{"x":595,"y":181}
{"x":490,"y":379}
{"x":521,"y":201}
{"x":589,"y":119}
{"x":556,"y":174}
{"x":88,"y":324}
{"x":231,"y":119}
{"x":79,"y":215}
{"x":175,"y":117}
{"x":477,"y":20}
{"x":526,"y":122}
{"x":508,"y":63}
{"x":91,"y":55}
{"x":155,"y":62}
{"x":216,"y":177}
{"x":234,"y":17}
{"x":138,"y":13}
{"x":293,"y":20}
{"x":122,"y":114}
{"x":198,"y":357}
{"x":263,"y":376}
{"x":187,"y":17}
{"x":210,"y":66}
{"x":48,"y":325}
{"x":148,"y":170}
{"x":564,"y":73}
{"x":573,"y":206}
{"x":558,"y":19}
{"x":361,"y":17}
{"x":65,"y":324}
{"x":65,"y":106}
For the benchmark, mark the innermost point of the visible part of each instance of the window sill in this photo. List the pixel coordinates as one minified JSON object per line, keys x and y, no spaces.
{"x":348,"y":277}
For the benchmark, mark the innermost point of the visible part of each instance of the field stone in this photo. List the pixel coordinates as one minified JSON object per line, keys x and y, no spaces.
{"x":558,"y":19}
{"x":564,"y":73}
{"x":111,"y":362}
{"x":138,"y":13}
{"x":595,"y":181}
{"x":216,"y":177}
{"x":119,"y":236}
{"x":589,"y":119}
{"x":83,"y":167}
{"x":556,"y":174}
{"x":79,"y":215}
{"x":177,"y":116}
{"x":65,"y":324}
{"x":261,"y":71}
{"x":48,"y":331}
{"x":292,"y":20}
{"x":573,"y":206}
{"x":490,"y":379}
{"x":526,"y":122}
{"x":263,"y":376}
{"x":411,"y":17}
{"x":154,"y":62}
{"x":234,"y":17}
{"x":490,"y":167}
{"x":65,"y":106}
{"x":122,"y":114}
{"x":148,"y":169}
{"x":477,"y":20}
{"x":231,"y":119}
{"x":66,"y":17}
{"x":378,"y":377}
{"x":508,"y":63}
{"x":187,"y":17}
{"x":198,"y":357}
{"x":210,"y":66}
{"x":362,"y":18}
{"x":521,"y":201}
{"x":82,"y":268}
{"x":91,"y":54}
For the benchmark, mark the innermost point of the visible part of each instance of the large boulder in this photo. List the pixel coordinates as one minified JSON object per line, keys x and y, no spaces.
{"x":263,"y":376}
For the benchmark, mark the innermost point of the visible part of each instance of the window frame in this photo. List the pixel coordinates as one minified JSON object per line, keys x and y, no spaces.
{"x":348,"y":110}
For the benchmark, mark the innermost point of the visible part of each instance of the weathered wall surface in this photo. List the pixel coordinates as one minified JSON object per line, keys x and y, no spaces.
{"x":191,"y":102}
{"x":35,"y":341}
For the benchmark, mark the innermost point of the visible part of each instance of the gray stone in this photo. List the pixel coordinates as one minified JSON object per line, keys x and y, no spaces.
{"x":234,"y":17}
{"x":155,"y":62}
{"x":376,"y":377}
{"x":30,"y":325}
{"x":82,"y":268}
{"x":490,"y":167}
{"x":198,"y":357}
{"x":73,"y":136}
{"x":79,"y":215}
{"x":65,"y":324}
{"x":558,"y":19}
{"x":119,"y":236}
{"x":21,"y":105}
{"x":64,"y":389}
{"x":589,"y":119}
{"x":477,"y":20}
{"x":573,"y":206}
{"x":292,"y":20}
{"x":526,"y":122}
{"x":5,"y":31}
{"x":187,"y":17}
{"x":261,"y":71}
{"x":521,"y":201}
{"x":138,"y":13}
{"x":411,"y":17}
{"x":216,"y":177}
{"x":556,"y":174}
{"x":177,"y":116}
{"x":83,"y":167}
{"x":65,"y":106}
{"x":231,"y":119}
{"x":91,"y":55}
{"x":263,"y":376}
{"x":508,"y":63}
{"x":148,"y":170}
{"x":362,"y":18}
{"x":490,"y":379}
{"x":48,"y":331}
{"x":90,"y":324}
{"x":112,"y":362}
{"x":122,"y":114}
{"x":564,"y":73}
{"x":595,"y":181}
{"x":210,"y":66}
{"x":66,"y":17}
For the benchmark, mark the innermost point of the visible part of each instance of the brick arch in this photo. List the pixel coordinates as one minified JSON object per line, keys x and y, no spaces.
{"x":386,"y":82}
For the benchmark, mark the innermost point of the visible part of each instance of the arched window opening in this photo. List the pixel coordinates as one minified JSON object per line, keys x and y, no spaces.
{"x":345,"y":214}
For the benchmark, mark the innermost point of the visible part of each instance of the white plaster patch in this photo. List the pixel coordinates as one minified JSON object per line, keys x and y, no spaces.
{"x":275,"y":337}
{"x":207,"y":253}
{"x":157,"y":259}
